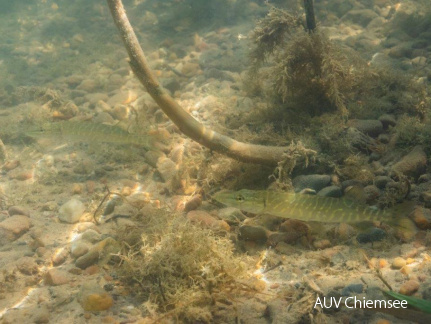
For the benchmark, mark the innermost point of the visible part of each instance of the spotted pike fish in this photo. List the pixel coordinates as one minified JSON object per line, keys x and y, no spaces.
{"x":307,"y":207}
{"x":81,"y":131}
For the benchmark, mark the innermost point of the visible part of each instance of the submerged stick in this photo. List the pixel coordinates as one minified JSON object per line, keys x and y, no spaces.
{"x":309,"y":15}
{"x":189,"y":126}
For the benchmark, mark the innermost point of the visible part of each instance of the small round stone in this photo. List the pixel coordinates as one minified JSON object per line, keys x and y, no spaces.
{"x":398,"y":263}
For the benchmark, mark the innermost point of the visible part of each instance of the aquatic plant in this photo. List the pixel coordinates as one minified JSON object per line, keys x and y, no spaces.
{"x":178,"y":269}
{"x":308,"y":72}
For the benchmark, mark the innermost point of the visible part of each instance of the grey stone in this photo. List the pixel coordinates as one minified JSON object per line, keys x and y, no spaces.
{"x":312,"y":181}
{"x":360,"y":16}
{"x":253,"y":233}
{"x":383,"y":138}
{"x":331,"y":191}
{"x":78,"y":249}
{"x":172,"y":84}
{"x":91,"y":236}
{"x":218,"y":74}
{"x":231,"y":215}
{"x":352,"y":289}
{"x":358,"y":139}
{"x":17,"y":210}
{"x":413,"y":164}
{"x":387,"y":120}
{"x":381,"y":181}
{"x":373,"y":235}
{"x":370,"y":127}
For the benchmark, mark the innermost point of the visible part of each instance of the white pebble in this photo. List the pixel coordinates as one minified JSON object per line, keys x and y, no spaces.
{"x":71,"y":211}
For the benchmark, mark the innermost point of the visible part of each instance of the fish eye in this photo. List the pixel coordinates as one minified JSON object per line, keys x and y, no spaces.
{"x":240,"y":198}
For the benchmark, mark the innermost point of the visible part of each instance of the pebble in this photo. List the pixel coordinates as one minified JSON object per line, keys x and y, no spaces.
{"x":60,"y":256}
{"x":27,"y":265}
{"x":10,"y":165}
{"x":370,"y":127}
{"x":172,"y":84}
{"x":345,"y":231}
{"x":190,"y":69}
{"x":406,"y":270}
{"x":121,"y":112}
{"x":373,"y":235}
{"x":166,"y":168}
{"x":94,"y":98}
{"x":371,"y":193}
{"x":419,"y":61}
{"x":78,"y":248}
{"x":71,"y":211}
{"x":290,"y":231}
{"x":387,"y":120}
{"x":77,"y":188}
{"x":17,"y":210}
{"x":383,"y":138}
{"x":360,"y":16}
{"x":253,"y":233}
{"x":101,"y":253}
{"x":122,"y":98}
{"x":152,"y":157}
{"x":422,"y":218}
{"x":426,"y":198}
{"x":331,"y":191}
{"x":401,"y":50}
{"x":13,"y":227}
{"x":231,"y":215}
{"x":409,"y":287}
{"x":413,"y":164}
{"x":88,"y":259}
{"x":41,"y":315}
{"x":56,"y":277}
{"x":193,"y":203}
{"x":312,"y":181}
{"x":359,"y":140}
{"x":91,"y":236}
{"x":352,"y":289}
{"x":381,"y":181}
{"x":3,"y":152}
{"x":204,"y":219}
{"x":21,"y":176}
{"x":94,"y":299}
{"x":321,"y":244}
{"x":87,"y":85}
{"x":398,"y":263}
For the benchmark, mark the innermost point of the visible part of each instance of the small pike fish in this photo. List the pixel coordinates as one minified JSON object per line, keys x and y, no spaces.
{"x":89,"y":132}
{"x":306,"y":207}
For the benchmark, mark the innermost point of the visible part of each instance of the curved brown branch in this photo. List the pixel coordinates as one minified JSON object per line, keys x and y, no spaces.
{"x":186,"y":123}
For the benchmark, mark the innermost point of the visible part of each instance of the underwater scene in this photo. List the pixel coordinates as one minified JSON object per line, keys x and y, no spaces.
{"x":215,"y":161}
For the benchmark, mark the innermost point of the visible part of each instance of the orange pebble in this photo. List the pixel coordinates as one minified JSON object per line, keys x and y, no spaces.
{"x":91,"y":186}
{"x":383,"y":263}
{"x":23,"y":176}
{"x":77,"y":189}
{"x":10,"y":165}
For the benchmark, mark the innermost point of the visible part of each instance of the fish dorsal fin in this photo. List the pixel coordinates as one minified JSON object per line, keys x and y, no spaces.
{"x":355,"y":194}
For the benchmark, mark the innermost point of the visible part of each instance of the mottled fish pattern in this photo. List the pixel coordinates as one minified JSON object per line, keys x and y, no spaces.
{"x":303,"y":207}
{"x":90,"y":133}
